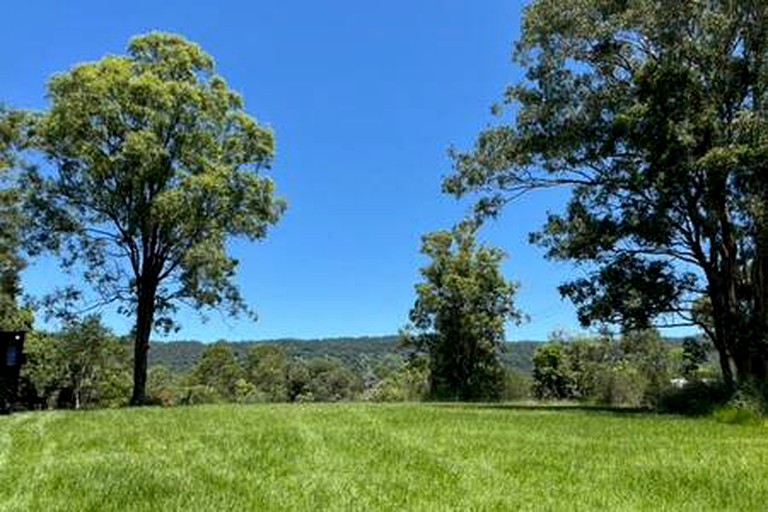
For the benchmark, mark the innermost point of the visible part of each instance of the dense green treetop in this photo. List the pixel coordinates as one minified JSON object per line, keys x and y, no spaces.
{"x":155,"y":155}
{"x":12,"y":128}
{"x":654,"y":115}
{"x":156,"y":166}
{"x":460,"y":313}
{"x":218,"y":369}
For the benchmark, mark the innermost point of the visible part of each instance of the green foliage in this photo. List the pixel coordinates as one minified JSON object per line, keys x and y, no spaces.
{"x":517,"y":386}
{"x":593,"y":370}
{"x":219,"y":371}
{"x":460,"y":312}
{"x":156,"y":167}
{"x":84,"y":366}
{"x":748,"y":405}
{"x":695,"y":398}
{"x":95,"y":364}
{"x":359,"y":354}
{"x":646,"y":351}
{"x":589,"y":362}
{"x":267,"y":374}
{"x":12,"y":224}
{"x":247,"y":393}
{"x":657,"y":126}
{"x":634,"y":370}
{"x":407,"y":383}
{"x":622,"y":384}
{"x":162,"y":386}
{"x":550,"y":373}
{"x":329,"y":381}
{"x":42,"y":374}
{"x":199,"y":395}
{"x":266,"y":368}
{"x":695,"y":354}
{"x":737,"y":416}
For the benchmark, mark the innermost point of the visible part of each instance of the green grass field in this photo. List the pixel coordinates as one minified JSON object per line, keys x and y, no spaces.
{"x":378,"y":457}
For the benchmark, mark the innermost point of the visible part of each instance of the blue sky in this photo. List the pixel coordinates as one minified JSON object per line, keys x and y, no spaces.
{"x":365,"y":99}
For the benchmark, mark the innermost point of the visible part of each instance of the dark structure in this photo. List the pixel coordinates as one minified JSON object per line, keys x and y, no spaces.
{"x":11,"y":359}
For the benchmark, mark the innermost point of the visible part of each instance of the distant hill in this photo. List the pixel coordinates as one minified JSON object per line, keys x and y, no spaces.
{"x":358,"y":352}
{"x":355,"y":352}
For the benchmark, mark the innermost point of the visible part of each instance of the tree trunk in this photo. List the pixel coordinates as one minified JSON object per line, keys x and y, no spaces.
{"x":760,"y":286}
{"x":723,"y":330}
{"x":145,"y":313}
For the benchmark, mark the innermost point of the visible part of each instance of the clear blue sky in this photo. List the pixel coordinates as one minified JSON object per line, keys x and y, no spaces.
{"x":365,"y":99}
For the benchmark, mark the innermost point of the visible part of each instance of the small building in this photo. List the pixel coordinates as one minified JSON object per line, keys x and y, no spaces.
{"x":11,"y":360}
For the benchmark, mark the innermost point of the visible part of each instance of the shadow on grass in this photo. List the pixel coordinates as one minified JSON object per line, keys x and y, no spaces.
{"x":548,"y":406}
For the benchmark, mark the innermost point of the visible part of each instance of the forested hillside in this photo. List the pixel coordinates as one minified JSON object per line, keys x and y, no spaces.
{"x":358,"y":352}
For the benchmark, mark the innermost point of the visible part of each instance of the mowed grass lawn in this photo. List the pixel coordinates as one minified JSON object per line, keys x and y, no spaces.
{"x":378,"y":457}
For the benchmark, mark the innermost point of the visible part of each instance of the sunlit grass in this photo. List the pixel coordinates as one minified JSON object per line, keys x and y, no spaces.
{"x":378,"y":457}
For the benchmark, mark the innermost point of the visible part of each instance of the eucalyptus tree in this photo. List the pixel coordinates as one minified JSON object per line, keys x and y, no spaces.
{"x":654,"y":115}
{"x":12,"y":128}
{"x":460,"y":313}
{"x":156,"y":166}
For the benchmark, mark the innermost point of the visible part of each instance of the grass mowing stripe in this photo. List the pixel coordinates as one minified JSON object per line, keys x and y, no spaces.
{"x":377,"y":457}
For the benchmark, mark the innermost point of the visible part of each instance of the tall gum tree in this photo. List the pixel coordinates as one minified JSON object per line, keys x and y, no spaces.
{"x":654,"y":115}
{"x":459,"y":315}
{"x":156,"y":165}
{"x":12,"y":223}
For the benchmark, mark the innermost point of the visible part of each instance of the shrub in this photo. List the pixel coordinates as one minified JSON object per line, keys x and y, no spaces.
{"x":199,"y":394}
{"x":695,"y":398}
{"x":517,"y":386}
{"x":162,"y":386}
{"x":746,"y":406}
{"x":623,"y":384}
{"x":736,"y":416}
{"x":218,"y":370}
{"x":387,"y":390}
{"x":551,"y":376}
{"x":409,"y":383}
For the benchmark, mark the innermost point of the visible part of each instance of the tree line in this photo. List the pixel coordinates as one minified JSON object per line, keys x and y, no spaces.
{"x":355,"y":352}
{"x":653,"y":119}
{"x":86,"y":366}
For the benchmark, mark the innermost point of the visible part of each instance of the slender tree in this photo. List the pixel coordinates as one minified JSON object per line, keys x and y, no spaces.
{"x":654,"y":115}
{"x":460,"y":312}
{"x":155,"y":167}
{"x":12,"y":317}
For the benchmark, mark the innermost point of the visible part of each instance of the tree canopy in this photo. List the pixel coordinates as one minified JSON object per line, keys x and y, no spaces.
{"x":12,"y":317}
{"x":654,"y":116}
{"x":156,"y":165}
{"x":460,"y":312}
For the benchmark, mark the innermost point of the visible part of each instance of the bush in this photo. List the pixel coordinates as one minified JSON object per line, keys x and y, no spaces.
{"x":695,"y":398}
{"x":408,"y":384}
{"x":746,"y":406}
{"x":517,"y":386}
{"x":163,"y":398}
{"x":387,"y":390}
{"x":218,"y":370}
{"x":267,"y":369}
{"x":162,"y":387}
{"x":552,"y":379}
{"x":200,"y":394}
{"x":624,"y":385}
{"x":255,"y":397}
{"x":737,"y":416}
